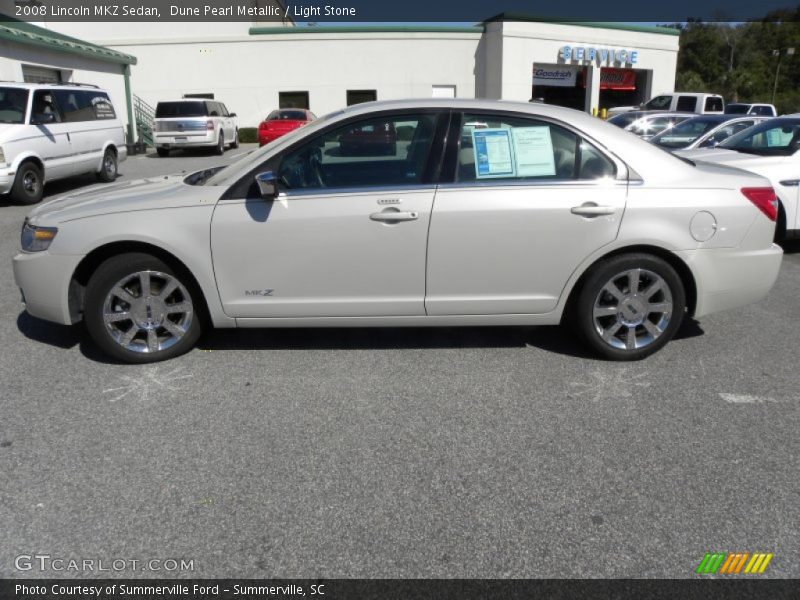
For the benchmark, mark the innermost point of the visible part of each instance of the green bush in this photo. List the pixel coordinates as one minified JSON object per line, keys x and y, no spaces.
{"x":248,"y":135}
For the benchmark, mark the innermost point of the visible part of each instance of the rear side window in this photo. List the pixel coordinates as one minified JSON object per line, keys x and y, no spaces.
{"x":167,"y":110}
{"x":714,"y":104}
{"x":686,"y":104}
{"x":519,"y":149}
{"x":83,"y":105}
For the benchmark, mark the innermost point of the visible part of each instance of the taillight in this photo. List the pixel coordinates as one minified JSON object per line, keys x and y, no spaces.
{"x":210,"y":125}
{"x":765,"y":199}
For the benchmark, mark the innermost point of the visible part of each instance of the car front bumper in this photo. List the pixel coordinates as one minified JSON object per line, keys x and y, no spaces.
{"x":44,"y":280}
{"x":732,"y":277}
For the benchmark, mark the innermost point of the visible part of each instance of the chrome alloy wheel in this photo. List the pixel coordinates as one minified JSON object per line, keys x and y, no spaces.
{"x":109,"y":166}
{"x":147,"y":311}
{"x":632,"y":309}
{"x":30,"y":182}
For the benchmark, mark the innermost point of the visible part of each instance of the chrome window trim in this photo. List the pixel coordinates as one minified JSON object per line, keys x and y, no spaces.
{"x":535,"y":183}
{"x":622,"y":167}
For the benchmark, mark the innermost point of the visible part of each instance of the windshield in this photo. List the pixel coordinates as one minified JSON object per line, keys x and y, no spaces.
{"x":737,"y":109}
{"x":685,"y":133}
{"x":13,"y":104}
{"x":250,"y":161}
{"x":659,"y":103}
{"x":167,"y":110}
{"x":776,"y":137}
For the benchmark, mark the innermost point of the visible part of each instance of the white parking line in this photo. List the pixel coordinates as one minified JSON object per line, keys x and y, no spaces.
{"x":745,"y":399}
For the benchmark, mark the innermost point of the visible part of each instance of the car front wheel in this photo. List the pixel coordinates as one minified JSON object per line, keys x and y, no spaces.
{"x":29,"y":184}
{"x":630,"y":306}
{"x":140,"y":310}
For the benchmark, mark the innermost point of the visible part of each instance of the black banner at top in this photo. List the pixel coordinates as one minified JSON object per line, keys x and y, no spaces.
{"x":400,"y":11}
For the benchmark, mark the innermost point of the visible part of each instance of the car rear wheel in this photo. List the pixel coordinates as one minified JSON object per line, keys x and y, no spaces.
{"x":235,"y":143}
{"x":630,"y":306}
{"x":220,"y":149}
{"x":140,"y":310}
{"x":29,"y":184}
{"x":108,"y":170}
{"x":162,"y":152}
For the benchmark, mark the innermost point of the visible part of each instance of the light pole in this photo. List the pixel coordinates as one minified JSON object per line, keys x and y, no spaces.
{"x":779,"y":54}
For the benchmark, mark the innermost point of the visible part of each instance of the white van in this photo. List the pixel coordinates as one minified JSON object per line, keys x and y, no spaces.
{"x":692,"y":102}
{"x":51,"y":131}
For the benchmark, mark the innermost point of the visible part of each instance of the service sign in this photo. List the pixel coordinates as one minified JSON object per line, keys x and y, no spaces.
{"x":600,"y":56}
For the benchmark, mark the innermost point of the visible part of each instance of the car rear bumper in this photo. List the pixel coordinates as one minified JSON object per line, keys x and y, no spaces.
{"x":177,"y":140}
{"x":44,"y":280}
{"x":732,"y":277}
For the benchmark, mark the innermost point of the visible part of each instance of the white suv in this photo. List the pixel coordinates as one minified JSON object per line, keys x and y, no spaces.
{"x":193,"y":123}
{"x":52,"y":131}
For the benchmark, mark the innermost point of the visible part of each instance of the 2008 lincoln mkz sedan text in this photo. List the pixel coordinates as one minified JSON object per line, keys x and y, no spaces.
{"x":482,"y":213}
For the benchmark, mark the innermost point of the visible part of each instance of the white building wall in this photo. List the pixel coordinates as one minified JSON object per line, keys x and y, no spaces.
{"x":248,"y":73}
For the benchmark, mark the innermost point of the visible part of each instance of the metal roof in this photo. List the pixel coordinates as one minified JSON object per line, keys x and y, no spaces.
{"x":26,"y":33}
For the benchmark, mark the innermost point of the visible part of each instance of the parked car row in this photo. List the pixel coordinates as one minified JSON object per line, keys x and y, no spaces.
{"x":542,"y":215}
{"x":764,"y":145}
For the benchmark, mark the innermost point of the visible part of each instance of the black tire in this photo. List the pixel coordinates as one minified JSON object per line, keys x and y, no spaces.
{"x":108,"y":275}
{"x":630,"y":308}
{"x":29,"y":184}
{"x":235,"y":143}
{"x":162,"y":152}
{"x":108,"y":168}
{"x":220,"y":149}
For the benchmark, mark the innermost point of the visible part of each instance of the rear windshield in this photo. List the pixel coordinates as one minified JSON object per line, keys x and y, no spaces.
{"x":13,"y":104}
{"x":776,"y":137}
{"x":685,"y":133}
{"x":624,"y":119}
{"x":166,"y":110}
{"x":737,"y":109}
{"x":287,"y":115}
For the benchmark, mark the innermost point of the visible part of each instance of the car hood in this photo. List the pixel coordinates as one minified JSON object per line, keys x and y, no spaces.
{"x":142,"y":194}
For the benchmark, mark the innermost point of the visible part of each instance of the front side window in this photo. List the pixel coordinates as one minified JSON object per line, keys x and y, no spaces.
{"x":771,"y":138}
{"x":13,"y":104}
{"x":512,"y":148}
{"x":380,"y":151}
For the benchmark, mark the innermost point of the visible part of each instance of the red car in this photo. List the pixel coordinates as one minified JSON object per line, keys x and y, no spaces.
{"x":282,"y":121}
{"x":379,"y":137}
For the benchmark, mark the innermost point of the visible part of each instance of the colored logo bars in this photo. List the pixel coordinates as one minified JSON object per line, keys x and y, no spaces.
{"x":733,"y":563}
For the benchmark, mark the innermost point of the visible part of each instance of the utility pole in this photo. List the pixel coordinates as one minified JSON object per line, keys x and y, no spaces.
{"x":779,"y":54}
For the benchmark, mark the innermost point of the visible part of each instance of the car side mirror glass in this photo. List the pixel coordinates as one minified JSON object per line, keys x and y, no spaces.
{"x":267,"y":185}
{"x":232,"y":115}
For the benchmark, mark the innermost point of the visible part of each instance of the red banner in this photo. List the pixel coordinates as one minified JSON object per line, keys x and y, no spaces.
{"x":617,"y":79}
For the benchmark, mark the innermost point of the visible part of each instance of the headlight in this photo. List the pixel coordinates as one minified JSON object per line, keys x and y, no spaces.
{"x":37,"y":239}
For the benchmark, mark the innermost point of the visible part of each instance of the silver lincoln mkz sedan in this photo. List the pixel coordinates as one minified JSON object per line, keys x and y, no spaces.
{"x":482,"y":213}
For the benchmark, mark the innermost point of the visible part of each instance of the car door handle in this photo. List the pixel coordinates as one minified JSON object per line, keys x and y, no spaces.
{"x":590,"y":209}
{"x":394,"y":215}
{"x":791,"y":182}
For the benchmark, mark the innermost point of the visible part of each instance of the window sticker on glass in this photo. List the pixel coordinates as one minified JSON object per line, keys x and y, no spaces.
{"x":779,"y":137}
{"x":493,"y":157}
{"x":533,"y":151}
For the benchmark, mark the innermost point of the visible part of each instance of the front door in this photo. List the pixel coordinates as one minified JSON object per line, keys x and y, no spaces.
{"x":345,"y":237}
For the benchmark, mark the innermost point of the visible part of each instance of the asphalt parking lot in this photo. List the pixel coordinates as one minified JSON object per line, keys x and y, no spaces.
{"x":474,"y":452}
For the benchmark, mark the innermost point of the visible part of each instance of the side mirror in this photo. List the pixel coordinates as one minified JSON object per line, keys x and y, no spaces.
{"x":231,"y":115}
{"x":42,"y":118}
{"x":267,"y":185}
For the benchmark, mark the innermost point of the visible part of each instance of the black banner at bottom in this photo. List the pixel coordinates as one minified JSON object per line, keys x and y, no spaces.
{"x":389,"y":589}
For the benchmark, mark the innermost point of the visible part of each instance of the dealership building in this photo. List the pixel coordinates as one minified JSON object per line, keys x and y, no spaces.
{"x":257,"y":67}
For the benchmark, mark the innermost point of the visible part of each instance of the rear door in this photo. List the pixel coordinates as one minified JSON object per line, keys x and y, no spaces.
{"x":528,"y":200}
